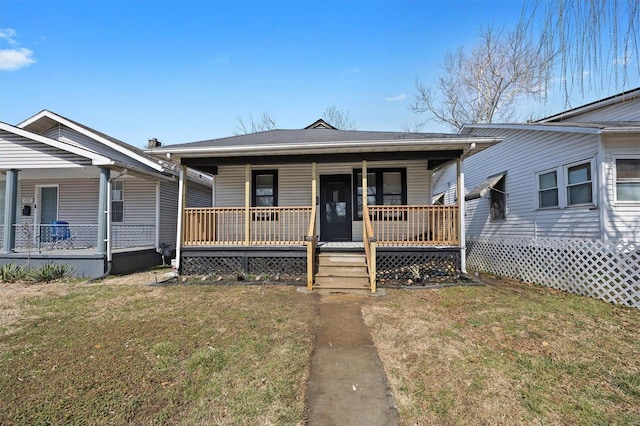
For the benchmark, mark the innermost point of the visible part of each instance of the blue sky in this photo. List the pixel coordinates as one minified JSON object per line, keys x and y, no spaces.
{"x":185,"y":70}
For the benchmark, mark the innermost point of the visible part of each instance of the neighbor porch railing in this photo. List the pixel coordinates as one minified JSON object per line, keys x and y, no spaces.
{"x":81,"y":236}
{"x":415,"y":225}
{"x":228,"y":225}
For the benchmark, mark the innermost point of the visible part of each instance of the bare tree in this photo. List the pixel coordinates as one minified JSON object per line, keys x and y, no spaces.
{"x":483,"y":85}
{"x":339,"y":118}
{"x":596,"y":40}
{"x":254,"y":124}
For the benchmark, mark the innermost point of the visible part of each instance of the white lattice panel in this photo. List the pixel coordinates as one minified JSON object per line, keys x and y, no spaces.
{"x":608,"y":271}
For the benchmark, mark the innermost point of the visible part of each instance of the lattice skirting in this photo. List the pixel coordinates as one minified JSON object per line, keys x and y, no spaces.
{"x":244,"y":264}
{"x":605,"y":270}
{"x":412,"y":264}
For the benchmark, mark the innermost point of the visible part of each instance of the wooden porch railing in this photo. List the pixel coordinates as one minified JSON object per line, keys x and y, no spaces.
{"x":369,"y":248}
{"x":226,"y":225}
{"x":415,"y":225}
{"x":312,"y":241}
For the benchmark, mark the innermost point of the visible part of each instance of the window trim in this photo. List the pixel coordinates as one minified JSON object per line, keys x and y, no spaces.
{"x":117,"y":201}
{"x":254,"y":195}
{"x":379,"y":172}
{"x":562,"y":173}
{"x":558,"y":188}
{"x":592,"y":182}
{"x":615,"y":158}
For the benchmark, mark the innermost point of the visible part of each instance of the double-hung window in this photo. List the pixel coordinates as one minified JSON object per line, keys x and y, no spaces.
{"x":265,"y":188}
{"x":628,"y":179}
{"x":384,"y":187}
{"x":117,"y":201}
{"x":579,"y":184}
{"x":548,"y":189}
{"x":566,"y":186}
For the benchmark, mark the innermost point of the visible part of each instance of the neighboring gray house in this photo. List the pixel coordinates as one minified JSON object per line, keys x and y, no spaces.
{"x":283,"y":196}
{"x":119,"y":203}
{"x":572,"y":178}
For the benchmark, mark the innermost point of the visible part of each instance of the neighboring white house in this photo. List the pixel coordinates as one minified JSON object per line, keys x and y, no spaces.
{"x":119,"y":204}
{"x":574,"y":176}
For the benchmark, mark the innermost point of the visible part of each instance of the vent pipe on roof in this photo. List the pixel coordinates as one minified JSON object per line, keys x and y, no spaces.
{"x":154,"y":143}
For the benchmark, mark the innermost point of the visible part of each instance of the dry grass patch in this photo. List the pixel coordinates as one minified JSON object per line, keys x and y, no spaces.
{"x":120,"y":352}
{"x":508,"y":353}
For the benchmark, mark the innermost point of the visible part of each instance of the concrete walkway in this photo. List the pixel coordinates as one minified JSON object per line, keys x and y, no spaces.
{"x":347,"y":384}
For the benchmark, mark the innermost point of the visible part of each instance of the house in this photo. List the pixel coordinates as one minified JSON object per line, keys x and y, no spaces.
{"x":70,"y":194}
{"x":554,"y":191}
{"x":291,"y":202}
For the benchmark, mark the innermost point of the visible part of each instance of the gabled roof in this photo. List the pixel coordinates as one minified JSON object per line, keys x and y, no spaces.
{"x":96,"y":159}
{"x":320,"y":124}
{"x":601,"y":103}
{"x":45,"y":119}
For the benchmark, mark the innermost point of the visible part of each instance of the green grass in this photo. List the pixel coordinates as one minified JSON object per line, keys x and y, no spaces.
{"x":166,"y":355}
{"x":508,"y":353}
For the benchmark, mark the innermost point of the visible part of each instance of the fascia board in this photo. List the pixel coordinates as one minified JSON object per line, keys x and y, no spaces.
{"x":94,"y":136}
{"x":95,"y":158}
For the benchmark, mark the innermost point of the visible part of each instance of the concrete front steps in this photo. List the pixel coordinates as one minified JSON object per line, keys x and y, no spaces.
{"x":342,"y":273}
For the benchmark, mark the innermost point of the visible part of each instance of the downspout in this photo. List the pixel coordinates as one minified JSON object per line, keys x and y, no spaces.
{"x":109,"y":239}
{"x":180,"y":221}
{"x":461,"y":212}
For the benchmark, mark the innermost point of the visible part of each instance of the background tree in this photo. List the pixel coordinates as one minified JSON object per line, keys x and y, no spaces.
{"x":483,"y":85}
{"x":597,"y":40}
{"x":254,"y":124}
{"x":338,"y":118}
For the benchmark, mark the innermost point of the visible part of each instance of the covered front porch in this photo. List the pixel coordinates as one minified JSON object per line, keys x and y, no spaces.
{"x":396,"y":240}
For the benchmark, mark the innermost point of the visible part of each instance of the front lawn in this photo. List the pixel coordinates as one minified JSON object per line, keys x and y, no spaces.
{"x":508,"y":353}
{"x":133,"y":354}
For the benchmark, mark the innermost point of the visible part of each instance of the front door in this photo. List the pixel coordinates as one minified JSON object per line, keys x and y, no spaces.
{"x":335,"y":208}
{"x":47,"y":210}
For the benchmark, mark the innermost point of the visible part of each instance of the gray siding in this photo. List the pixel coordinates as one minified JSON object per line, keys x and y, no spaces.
{"x":523,"y":154}
{"x":19,"y":152}
{"x":294,"y":184}
{"x":168,"y":213}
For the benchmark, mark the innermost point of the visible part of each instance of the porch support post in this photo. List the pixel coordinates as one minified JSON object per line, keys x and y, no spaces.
{"x":182,"y":196}
{"x":461,"y":225}
{"x":311,"y":243}
{"x":247,"y":204}
{"x":103,"y":210}
{"x":314,"y":186}
{"x":365,"y":197}
{"x":10,"y":207}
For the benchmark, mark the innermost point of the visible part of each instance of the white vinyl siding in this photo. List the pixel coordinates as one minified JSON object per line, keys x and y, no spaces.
{"x":17,"y":152}
{"x":624,"y":111}
{"x":526,"y":154}
{"x":621,"y":218}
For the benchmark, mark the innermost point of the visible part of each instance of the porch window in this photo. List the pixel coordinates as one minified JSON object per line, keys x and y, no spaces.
{"x":628,"y":179}
{"x":117,"y":201}
{"x":579,"y":184}
{"x":265,"y":188}
{"x":548,"y":190}
{"x":384,"y":187}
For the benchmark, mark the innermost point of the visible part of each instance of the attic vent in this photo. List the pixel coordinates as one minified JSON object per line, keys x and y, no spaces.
{"x":154,"y":143}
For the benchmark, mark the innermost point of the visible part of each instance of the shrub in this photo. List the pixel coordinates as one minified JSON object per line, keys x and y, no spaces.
{"x":10,"y":272}
{"x":50,"y":272}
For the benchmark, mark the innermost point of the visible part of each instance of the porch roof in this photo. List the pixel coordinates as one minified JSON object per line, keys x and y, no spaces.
{"x":320,"y":144}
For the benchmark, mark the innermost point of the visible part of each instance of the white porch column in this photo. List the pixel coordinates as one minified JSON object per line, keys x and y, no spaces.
{"x":10,"y":207}
{"x":103,"y":210}
{"x":182,"y":191}
{"x":461,"y":206}
{"x":365,"y":197}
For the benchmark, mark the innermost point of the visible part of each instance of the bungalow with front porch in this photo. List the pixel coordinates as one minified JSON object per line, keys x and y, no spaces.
{"x":291,"y":201}
{"x":72,"y":195}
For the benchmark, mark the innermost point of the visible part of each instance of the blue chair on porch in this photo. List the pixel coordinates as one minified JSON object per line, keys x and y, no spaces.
{"x":61,"y":235}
